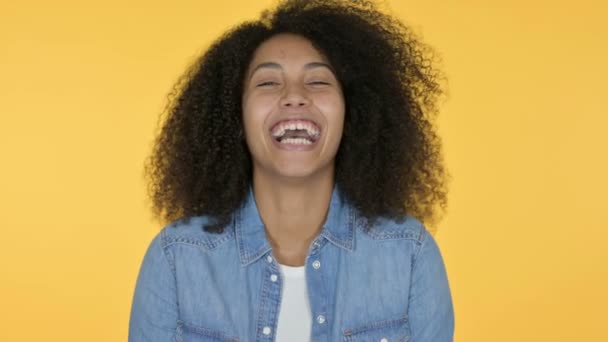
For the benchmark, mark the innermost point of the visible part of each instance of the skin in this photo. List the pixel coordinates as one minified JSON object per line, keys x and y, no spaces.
{"x":288,"y":77}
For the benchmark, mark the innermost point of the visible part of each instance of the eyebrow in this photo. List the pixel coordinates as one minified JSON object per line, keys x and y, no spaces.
{"x":273,"y":65}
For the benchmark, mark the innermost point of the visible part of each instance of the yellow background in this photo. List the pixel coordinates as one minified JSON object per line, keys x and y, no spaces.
{"x":524,"y":127}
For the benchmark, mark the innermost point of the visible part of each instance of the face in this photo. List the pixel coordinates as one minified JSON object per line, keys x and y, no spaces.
{"x":293,"y":109}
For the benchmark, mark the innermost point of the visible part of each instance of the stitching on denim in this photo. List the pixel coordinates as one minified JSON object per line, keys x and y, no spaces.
{"x":394,"y":235}
{"x":165,"y":246}
{"x":336,"y":241}
{"x":347,"y":242}
{"x":351,"y":227}
{"x":238,"y":234}
{"x":253,"y":257}
{"x":178,"y":332}
{"x":375,"y":325}
{"x":246,"y":258}
{"x":263,"y":308}
{"x":420,"y":243}
{"x":170,"y":261}
{"x":209,"y":332}
{"x":205,"y":244}
{"x":401,"y":233}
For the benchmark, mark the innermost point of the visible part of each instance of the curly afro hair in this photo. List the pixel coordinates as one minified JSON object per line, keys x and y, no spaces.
{"x":389,"y":163}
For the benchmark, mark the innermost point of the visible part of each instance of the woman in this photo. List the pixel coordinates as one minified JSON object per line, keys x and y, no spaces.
{"x":295,"y":167}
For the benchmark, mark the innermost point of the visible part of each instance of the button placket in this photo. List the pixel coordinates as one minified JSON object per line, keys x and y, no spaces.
{"x":315,"y":284}
{"x":270,"y":299}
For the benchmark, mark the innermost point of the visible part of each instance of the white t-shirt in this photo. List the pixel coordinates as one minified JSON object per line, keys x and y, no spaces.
{"x":295,"y":318}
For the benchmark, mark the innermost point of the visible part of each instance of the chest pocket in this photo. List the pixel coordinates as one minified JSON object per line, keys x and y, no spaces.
{"x":191,"y":333}
{"x":392,"y":330}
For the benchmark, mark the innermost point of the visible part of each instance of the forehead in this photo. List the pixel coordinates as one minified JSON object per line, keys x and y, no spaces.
{"x":286,"y":47}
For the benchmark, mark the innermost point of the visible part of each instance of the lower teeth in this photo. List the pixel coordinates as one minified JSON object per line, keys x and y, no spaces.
{"x":296,"y":141}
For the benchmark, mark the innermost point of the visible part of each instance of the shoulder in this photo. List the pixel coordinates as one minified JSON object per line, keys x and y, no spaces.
{"x":408,"y":228}
{"x":410,"y":232}
{"x":190,"y":231}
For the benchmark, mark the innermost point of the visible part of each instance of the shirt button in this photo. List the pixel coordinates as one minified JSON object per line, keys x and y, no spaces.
{"x":273,"y":278}
{"x":316,"y":264}
{"x":321,"y":319}
{"x":269,"y":259}
{"x":384,"y":339}
{"x":316,"y":244}
{"x":266,"y":331}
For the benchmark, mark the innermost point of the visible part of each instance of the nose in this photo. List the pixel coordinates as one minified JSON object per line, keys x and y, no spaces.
{"x":295,"y":96}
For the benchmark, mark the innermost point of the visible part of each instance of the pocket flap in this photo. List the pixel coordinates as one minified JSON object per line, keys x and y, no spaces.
{"x":390,"y":330}
{"x":190,"y":332}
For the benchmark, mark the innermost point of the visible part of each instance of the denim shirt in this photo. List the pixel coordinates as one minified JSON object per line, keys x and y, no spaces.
{"x":387,"y":284}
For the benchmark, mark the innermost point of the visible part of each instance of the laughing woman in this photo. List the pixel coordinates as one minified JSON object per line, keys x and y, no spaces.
{"x":294,"y":171}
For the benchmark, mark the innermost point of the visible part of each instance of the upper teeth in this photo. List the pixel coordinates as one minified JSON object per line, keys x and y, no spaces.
{"x":280,"y":129}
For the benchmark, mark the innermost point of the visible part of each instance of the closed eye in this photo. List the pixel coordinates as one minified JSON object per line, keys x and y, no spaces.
{"x":318,"y":83}
{"x":267,"y":83}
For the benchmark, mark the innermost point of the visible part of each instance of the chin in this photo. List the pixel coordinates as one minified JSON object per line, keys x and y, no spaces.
{"x":298,"y":170}
{"x":294,"y":172}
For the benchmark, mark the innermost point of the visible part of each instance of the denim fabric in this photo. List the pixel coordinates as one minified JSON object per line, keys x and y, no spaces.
{"x":388,"y":284}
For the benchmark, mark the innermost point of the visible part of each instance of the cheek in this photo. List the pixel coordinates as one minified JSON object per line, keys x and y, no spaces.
{"x":332,"y":105}
{"x":256,"y":108}
{"x":251,"y":116}
{"x":255,"y":112}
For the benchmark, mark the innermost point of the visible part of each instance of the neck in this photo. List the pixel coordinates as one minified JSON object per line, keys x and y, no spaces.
{"x":293,"y":212}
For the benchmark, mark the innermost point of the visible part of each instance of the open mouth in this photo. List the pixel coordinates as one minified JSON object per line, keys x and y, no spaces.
{"x":296,"y":132}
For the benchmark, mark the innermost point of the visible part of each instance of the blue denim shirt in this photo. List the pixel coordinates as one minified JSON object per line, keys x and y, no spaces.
{"x":388,"y":284}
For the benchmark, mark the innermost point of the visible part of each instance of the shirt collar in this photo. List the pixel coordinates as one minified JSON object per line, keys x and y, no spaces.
{"x":251,"y":235}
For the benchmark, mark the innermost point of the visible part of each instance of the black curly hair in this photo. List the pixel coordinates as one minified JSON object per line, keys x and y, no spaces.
{"x":389,"y":163}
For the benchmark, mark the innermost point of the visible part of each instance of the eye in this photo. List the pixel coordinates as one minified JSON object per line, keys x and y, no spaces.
{"x":318,"y":83}
{"x":267,"y":83}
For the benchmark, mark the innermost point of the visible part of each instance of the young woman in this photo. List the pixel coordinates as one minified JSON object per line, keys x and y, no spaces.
{"x":294,"y":170}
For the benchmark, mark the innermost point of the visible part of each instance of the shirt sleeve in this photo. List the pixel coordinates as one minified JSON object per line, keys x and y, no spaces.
{"x":154,"y":310}
{"x":430,"y":311}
